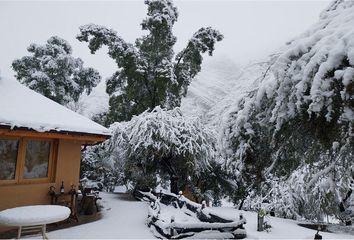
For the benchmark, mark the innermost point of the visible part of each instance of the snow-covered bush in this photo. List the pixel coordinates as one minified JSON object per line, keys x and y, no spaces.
{"x":163,"y":142}
{"x":52,"y":71}
{"x":98,"y":170}
{"x":296,"y":126}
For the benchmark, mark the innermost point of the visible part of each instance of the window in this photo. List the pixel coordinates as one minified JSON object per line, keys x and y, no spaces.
{"x":8,"y":158}
{"x":26,"y":160}
{"x":36,"y":159}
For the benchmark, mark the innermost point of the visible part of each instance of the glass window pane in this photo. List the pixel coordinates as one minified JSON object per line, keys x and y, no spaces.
{"x":8,"y":158}
{"x":37,"y":159}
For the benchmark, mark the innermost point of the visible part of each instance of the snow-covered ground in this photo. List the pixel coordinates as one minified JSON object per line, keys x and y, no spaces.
{"x":125,"y":218}
{"x":281,"y":228}
{"x":122,"y":218}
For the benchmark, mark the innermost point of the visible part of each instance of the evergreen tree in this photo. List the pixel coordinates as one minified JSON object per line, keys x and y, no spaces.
{"x":147,"y":74}
{"x":52,"y":71}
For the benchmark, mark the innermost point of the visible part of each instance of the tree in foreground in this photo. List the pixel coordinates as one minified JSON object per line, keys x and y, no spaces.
{"x":52,"y":71}
{"x":292,"y":136}
{"x":148,"y":74}
{"x":162,"y":142}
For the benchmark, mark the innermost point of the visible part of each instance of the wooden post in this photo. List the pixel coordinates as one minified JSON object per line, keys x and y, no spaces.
{"x":241,"y":218}
{"x":203,"y":204}
{"x":171,"y":228}
{"x":260,"y":222}
{"x":317,"y":235}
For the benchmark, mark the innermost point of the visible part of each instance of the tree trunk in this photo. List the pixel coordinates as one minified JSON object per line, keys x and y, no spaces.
{"x":174,"y":184}
{"x":260,"y":223}
{"x":173,"y":176}
{"x":342,"y":206}
{"x":241,"y":204}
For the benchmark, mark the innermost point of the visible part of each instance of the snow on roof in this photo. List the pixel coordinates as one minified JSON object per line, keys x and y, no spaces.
{"x":24,"y":108}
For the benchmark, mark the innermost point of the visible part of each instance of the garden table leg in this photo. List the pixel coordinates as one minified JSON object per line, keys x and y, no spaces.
{"x":19,"y":232}
{"x":44,"y":235}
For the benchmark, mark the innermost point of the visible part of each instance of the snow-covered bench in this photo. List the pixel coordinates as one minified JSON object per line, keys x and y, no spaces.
{"x":33,"y":218}
{"x":174,"y":216}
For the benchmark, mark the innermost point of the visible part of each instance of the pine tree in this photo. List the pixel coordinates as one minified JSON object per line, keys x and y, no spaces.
{"x":52,"y":71}
{"x":147,"y":74}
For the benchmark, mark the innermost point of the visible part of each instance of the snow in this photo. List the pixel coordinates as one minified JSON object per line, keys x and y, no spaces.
{"x":56,"y":74}
{"x":312,"y":76}
{"x":292,"y":77}
{"x":123,"y":218}
{"x":226,"y":99}
{"x":211,"y":234}
{"x":126,"y":218}
{"x":22,"y":107}
{"x":183,"y":218}
{"x":167,"y":132}
{"x":302,"y":72}
{"x":166,"y":12}
{"x":33,"y":215}
{"x":216,"y":79}
{"x":281,"y":228}
{"x":95,"y":103}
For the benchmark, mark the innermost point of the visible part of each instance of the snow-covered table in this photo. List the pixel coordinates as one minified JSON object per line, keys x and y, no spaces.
{"x":30,"y":218}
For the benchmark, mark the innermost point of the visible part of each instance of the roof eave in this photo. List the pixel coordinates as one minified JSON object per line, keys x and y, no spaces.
{"x":84,"y":138}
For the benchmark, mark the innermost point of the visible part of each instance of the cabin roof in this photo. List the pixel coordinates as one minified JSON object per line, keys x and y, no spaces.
{"x":23,"y":108}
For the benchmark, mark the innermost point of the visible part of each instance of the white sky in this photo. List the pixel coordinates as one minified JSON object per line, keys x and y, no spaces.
{"x":252,"y":29}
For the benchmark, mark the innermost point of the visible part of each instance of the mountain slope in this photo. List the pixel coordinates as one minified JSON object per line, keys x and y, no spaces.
{"x":214,"y":82}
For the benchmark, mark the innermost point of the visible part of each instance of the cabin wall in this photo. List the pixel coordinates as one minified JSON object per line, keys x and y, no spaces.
{"x":66,"y":168}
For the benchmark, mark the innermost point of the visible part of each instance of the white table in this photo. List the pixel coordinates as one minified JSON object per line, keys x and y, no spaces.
{"x":36,"y":217}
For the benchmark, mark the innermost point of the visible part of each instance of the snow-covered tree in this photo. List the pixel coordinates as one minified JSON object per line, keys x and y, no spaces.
{"x":147,"y":75}
{"x":296,"y":125}
{"x":52,"y":71}
{"x":98,"y":169}
{"x":162,"y":142}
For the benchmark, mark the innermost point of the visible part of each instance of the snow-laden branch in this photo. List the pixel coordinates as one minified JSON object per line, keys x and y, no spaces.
{"x":164,"y":134}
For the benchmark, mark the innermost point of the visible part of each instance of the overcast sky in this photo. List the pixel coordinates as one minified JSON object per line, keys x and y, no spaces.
{"x":252,"y":29}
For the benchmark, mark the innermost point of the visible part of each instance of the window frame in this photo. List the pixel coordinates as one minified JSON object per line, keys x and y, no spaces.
{"x":21,"y":158}
{"x":15,"y":180}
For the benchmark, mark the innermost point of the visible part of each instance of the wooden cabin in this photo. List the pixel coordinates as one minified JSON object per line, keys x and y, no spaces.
{"x":40,"y":145}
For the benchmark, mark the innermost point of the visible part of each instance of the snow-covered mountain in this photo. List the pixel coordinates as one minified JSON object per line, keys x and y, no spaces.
{"x":210,"y":86}
{"x":95,"y":103}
